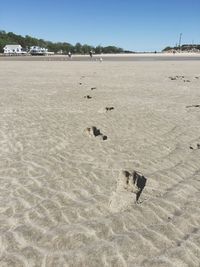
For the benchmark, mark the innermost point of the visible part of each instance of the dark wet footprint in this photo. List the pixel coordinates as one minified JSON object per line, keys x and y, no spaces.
{"x":109,"y":108}
{"x":177,"y":77}
{"x":95,"y":132}
{"x":104,"y":137}
{"x":87,"y":96}
{"x":172,"y":78}
{"x":193,"y":106}
{"x":198,"y":147}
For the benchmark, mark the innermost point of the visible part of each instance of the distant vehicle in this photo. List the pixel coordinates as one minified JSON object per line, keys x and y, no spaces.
{"x":38,"y":51}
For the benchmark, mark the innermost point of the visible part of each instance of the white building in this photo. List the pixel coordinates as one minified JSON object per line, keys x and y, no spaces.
{"x":12,"y":49}
{"x":37,"y":50}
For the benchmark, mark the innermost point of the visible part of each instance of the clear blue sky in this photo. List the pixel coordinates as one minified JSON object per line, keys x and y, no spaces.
{"x":138,"y":25}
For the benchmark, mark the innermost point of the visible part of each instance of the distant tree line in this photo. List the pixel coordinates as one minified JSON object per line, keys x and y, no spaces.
{"x":64,"y":47}
{"x":184,"y":47}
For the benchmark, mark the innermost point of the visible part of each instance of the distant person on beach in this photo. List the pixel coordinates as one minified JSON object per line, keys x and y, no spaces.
{"x":69,"y":54}
{"x":91,"y":53}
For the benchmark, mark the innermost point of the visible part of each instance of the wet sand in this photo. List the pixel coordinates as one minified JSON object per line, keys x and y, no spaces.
{"x":59,"y":198}
{"x":109,"y":57}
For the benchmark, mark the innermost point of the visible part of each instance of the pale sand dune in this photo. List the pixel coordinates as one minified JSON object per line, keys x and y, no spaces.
{"x":59,"y":203}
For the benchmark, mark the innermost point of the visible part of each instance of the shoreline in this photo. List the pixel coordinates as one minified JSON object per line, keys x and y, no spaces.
{"x":107,"y":57}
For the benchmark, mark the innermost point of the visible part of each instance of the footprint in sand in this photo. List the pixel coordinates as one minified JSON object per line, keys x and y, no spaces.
{"x":109,"y":108}
{"x":172,"y":78}
{"x":178,"y":77}
{"x":106,"y":109}
{"x":193,"y":106}
{"x":87,"y":96}
{"x":198,"y":147}
{"x":95,"y":132}
{"x":128,"y":182}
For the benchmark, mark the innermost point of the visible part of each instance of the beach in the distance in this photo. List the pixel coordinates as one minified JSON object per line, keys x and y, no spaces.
{"x":59,"y":203}
{"x":182,"y":56}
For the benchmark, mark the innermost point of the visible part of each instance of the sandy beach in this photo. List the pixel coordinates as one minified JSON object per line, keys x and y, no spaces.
{"x":60,"y":203}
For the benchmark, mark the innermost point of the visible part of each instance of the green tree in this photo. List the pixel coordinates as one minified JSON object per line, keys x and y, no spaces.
{"x":98,"y":49}
{"x":78,"y":48}
{"x":28,"y":41}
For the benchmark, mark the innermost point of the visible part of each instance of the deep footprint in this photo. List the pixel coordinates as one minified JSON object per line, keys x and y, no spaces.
{"x":87,"y":96}
{"x":95,"y":132}
{"x":109,"y":108}
{"x":134,"y":182}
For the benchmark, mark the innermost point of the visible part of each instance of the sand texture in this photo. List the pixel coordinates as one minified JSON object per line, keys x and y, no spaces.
{"x":61,"y":202}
